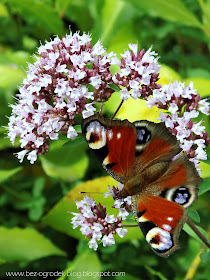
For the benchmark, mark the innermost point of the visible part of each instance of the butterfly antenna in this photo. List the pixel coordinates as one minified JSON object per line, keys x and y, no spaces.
{"x":92,"y":192}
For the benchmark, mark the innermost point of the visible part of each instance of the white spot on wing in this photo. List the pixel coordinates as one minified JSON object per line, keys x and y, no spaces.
{"x":110,"y":134}
{"x":167,"y":227}
{"x":170,"y":219}
{"x":118,"y":135}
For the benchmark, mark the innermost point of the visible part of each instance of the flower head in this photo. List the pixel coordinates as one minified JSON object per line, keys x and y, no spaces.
{"x":138,"y":73}
{"x":96,"y":224}
{"x":67,"y":75}
{"x":183,"y":104}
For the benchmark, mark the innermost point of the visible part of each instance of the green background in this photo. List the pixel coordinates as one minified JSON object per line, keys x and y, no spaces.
{"x":35,"y":230}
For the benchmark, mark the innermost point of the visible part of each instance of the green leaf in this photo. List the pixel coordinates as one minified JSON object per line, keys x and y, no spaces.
{"x":6,"y":174}
{"x":75,"y":142}
{"x":114,"y":87}
{"x":78,"y":128}
{"x":121,"y":13}
{"x":173,"y":10}
{"x":38,"y":13}
{"x":10,"y":77}
{"x":156,"y":273}
{"x":204,"y":186}
{"x":193,"y":214}
{"x":38,"y":186}
{"x":119,"y":42}
{"x":85,"y":266}
{"x":205,"y":256}
{"x":66,"y":163}
{"x":59,"y":218}
{"x":25,"y":245}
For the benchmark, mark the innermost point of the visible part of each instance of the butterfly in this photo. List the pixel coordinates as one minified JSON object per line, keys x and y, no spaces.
{"x":139,"y":155}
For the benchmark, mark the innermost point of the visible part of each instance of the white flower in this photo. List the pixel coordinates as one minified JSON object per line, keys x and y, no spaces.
{"x":118,"y":203}
{"x":98,"y":49}
{"x":173,"y":108}
{"x":204,"y":106}
{"x":97,"y":235}
{"x":200,"y":153}
{"x":110,"y":219}
{"x":108,"y":240}
{"x":186,"y":145}
{"x":121,"y":232}
{"x":128,"y":200}
{"x":97,"y":227}
{"x":89,"y":111}
{"x":95,"y":81}
{"x":32,"y":156}
{"x":20,"y":155}
{"x":89,"y":201}
{"x":85,"y":229}
{"x":134,"y":48}
{"x":123,"y":213}
{"x":198,"y":128}
{"x":125,"y":95}
{"x":134,"y":84}
{"x":93,"y":244}
{"x":121,"y":186}
{"x":135,"y":94}
{"x":110,"y":192}
{"x":72,"y":134}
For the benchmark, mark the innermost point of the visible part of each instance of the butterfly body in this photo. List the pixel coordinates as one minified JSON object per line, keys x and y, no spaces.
{"x":139,"y":155}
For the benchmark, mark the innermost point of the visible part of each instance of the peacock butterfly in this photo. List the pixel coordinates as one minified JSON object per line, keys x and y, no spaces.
{"x":139,"y":155}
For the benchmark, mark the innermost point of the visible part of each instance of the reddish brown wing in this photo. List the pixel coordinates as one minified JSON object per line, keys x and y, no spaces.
{"x":179,"y":183}
{"x":160,"y":221}
{"x":154,"y":144}
{"x":160,"y":210}
{"x":114,"y":144}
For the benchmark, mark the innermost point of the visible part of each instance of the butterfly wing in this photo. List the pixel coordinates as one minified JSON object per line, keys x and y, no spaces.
{"x":161,"y":210}
{"x":160,"y":221}
{"x":114,"y":144}
{"x":154,"y":143}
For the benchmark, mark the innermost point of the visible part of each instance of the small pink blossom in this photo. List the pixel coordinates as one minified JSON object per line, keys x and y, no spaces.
{"x":96,"y":224}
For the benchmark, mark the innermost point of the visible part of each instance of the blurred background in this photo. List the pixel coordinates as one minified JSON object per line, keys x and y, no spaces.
{"x":35,"y":233}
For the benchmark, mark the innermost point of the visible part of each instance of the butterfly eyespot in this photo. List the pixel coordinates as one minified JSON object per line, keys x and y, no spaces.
{"x":143,"y":135}
{"x":160,"y":240}
{"x":183,"y":195}
{"x":93,"y":138}
{"x":95,"y":134}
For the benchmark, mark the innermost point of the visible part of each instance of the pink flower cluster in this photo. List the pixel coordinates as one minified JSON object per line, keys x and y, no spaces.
{"x":96,"y":224}
{"x":182,"y":105}
{"x":138,"y":73}
{"x":69,"y":74}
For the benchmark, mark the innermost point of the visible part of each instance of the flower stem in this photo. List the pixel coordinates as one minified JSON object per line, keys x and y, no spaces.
{"x":129,"y":225}
{"x":199,"y":234}
{"x":121,"y":103}
{"x":101,"y":110}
